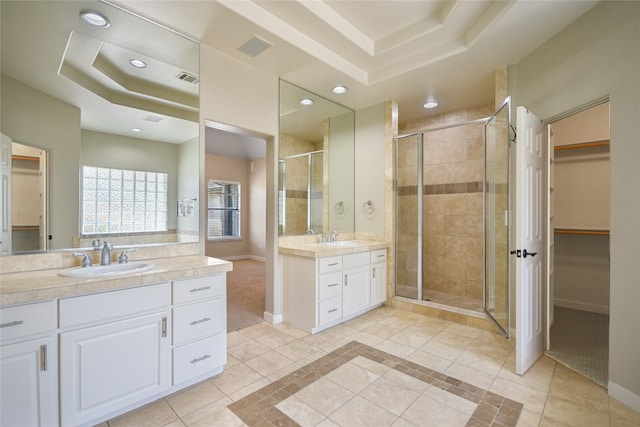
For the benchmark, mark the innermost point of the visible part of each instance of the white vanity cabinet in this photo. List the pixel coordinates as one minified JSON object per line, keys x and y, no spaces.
{"x":356,"y":293}
{"x":323,"y":292}
{"x":115,"y":351}
{"x":199,"y":326}
{"x":28,"y":365}
{"x":378,"y":276}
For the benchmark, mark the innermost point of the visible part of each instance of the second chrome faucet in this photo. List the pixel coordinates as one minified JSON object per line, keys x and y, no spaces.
{"x":105,"y":258}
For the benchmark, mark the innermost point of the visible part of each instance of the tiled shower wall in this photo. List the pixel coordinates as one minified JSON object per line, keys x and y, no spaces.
{"x":297,"y":174}
{"x":452,"y":235}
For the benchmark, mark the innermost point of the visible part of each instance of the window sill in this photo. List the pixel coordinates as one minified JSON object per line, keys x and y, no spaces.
{"x":223,"y":239}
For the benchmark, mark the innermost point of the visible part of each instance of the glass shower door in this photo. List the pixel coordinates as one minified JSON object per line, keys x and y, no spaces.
{"x":496,"y":221}
{"x":408,"y":204}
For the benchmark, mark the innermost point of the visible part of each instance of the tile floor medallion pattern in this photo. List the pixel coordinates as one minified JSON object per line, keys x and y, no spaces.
{"x":356,"y":368}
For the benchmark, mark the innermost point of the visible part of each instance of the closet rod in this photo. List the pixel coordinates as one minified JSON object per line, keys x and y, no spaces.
{"x":582,"y":145}
{"x":585,"y":232}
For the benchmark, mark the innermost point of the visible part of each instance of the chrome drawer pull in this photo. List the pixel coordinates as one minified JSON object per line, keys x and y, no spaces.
{"x":200,"y":359}
{"x":381,"y":256}
{"x":43,"y":357}
{"x":164,"y":327}
{"x":332,"y":264}
{"x":333,"y":284}
{"x":332,"y":310}
{"x":14,"y":323}
{"x":204,"y":288}
{"x":204,"y":319}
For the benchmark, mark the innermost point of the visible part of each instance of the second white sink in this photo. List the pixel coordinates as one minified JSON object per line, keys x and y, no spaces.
{"x":98,"y":271}
{"x":342,"y":243}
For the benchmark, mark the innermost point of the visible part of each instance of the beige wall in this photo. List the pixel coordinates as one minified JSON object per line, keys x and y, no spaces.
{"x":369,"y":169}
{"x":58,"y":131}
{"x":596,"y":56}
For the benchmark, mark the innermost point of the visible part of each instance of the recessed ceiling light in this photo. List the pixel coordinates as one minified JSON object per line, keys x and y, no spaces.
{"x":136,"y":130}
{"x":138,"y":63}
{"x":94,"y":18}
{"x":339,"y":90}
{"x":430,"y":104}
{"x":306,"y":101}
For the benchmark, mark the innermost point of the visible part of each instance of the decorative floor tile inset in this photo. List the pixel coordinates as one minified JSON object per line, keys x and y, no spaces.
{"x":481,"y":408}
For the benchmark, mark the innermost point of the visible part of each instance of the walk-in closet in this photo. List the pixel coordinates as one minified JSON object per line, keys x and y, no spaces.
{"x":579,"y":210}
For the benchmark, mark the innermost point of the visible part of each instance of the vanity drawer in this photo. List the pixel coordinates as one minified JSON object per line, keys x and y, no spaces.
{"x":378,"y":256}
{"x":329,"y":310}
{"x":198,"y":320}
{"x":355,"y":260}
{"x":113,"y":304}
{"x":199,"y":288}
{"x":330,"y":264}
{"x":28,"y":319}
{"x":198,"y":357}
{"x":330,"y":285}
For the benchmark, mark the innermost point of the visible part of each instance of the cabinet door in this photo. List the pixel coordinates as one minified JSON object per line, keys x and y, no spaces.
{"x":107,"y":367}
{"x":356,"y":294}
{"x":378,"y":283}
{"x":28,"y":383}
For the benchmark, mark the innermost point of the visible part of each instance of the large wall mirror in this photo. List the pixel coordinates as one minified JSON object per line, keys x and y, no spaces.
{"x":316,"y":164}
{"x":100,"y":132}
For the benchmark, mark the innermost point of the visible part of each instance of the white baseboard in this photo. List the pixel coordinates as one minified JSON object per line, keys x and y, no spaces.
{"x":274,"y":319}
{"x":577,"y":305}
{"x":625,"y":396}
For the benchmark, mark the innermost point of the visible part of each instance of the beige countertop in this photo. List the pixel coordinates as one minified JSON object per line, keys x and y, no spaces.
{"x":41,"y":285}
{"x":321,"y":250}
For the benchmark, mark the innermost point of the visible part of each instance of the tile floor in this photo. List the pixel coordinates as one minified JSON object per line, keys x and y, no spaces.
{"x":385,"y":368}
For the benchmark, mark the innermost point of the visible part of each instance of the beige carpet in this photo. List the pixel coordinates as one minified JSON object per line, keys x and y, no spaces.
{"x":580,"y":340}
{"x":245,"y":294}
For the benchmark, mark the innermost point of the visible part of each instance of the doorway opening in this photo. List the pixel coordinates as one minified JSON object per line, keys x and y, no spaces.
{"x":578,"y":241}
{"x":240,"y":156}
{"x":28,"y":198}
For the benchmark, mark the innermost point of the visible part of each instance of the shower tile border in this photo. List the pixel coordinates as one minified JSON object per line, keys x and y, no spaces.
{"x":259,"y":408}
{"x":451,"y":188}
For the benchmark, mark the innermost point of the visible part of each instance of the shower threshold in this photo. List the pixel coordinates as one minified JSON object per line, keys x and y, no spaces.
{"x":444,"y":300}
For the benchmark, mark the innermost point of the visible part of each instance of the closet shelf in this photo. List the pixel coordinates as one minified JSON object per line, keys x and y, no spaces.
{"x":581,"y":231}
{"x":582,"y":145}
{"x":29,"y":158}
{"x":25,"y":228}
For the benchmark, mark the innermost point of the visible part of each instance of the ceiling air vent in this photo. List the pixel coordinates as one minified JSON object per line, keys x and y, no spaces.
{"x":154,"y":119}
{"x":188,"y":77}
{"x":254,"y":46}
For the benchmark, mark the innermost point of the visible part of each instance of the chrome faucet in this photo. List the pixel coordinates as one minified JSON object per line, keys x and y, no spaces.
{"x":333,"y":236}
{"x":123,"y":258}
{"x":105,"y":259}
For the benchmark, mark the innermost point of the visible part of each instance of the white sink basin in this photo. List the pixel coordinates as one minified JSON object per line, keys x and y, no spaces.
{"x":111,"y":270}
{"x":342,"y":243}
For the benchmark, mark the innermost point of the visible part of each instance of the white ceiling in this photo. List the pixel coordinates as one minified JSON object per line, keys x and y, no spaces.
{"x":409,"y":51}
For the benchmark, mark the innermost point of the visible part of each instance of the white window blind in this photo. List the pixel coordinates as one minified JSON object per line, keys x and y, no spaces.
{"x":123,"y":201}
{"x":223,"y":209}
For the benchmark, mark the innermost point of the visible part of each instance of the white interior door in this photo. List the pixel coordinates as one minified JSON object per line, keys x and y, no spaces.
{"x":5,"y":195}
{"x":530,"y":229}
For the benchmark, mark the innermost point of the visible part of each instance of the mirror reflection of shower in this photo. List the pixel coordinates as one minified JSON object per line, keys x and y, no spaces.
{"x":300,"y":193}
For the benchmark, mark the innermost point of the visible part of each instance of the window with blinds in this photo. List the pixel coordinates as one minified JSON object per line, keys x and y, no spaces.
{"x":223,"y":216}
{"x":123,"y":201}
